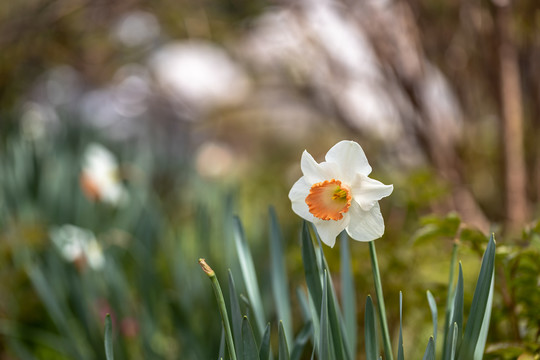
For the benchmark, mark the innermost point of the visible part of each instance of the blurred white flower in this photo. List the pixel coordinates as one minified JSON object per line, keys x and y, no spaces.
{"x":137,"y":28}
{"x":338,"y":195}
{"x":100,"y":178}
{"x":78,"y":245}
{"x":200,"y":74}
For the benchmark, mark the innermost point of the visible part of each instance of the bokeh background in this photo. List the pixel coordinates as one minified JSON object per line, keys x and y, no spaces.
{"x":131,"y":133}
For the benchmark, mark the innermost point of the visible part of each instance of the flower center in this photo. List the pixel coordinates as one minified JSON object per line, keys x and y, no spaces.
{"x":329,"y":200}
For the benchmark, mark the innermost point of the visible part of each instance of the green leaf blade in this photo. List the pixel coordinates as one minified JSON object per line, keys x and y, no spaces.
{"x":372,"y":348}
{"x":108,"y":338}
{"x":249,"y":345}
{"x":481,"y":304}
{"x":249,"y":275}
{"x":279,"y":275}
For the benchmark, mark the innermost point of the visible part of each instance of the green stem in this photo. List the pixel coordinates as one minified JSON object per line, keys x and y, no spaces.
{"x":449,"y":293}
{"x":221,"y":305}
{"x":380,"y":301}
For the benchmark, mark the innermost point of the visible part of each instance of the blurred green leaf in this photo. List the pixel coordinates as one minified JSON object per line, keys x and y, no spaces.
{"x":236,"y":317}
{"x":301,"y":341}
{"x":249,"y":274}
{"x":348,"y":294}
{"x":400,"y":342}
{"x":324,"y":338}
{"x":108,"y":338}
{"x":279,"y":275}
{"x":435,"y":227}
{"x":370,"y":331}
{"x":311,"y":269}
{"x":433,"y":308}
{"x":249,"y":345}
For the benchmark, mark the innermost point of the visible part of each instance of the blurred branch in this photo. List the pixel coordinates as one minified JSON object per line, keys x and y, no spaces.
{"x":512,"y":119}
{"x":397,"y":41}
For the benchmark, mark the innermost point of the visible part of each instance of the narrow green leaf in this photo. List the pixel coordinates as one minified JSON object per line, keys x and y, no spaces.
{"x":222,"y":345}
{"x":480,"y":304}
{"x":348,"y":293}
{"x":283,"y":352}
{"x":264,"y":349}
{"x":457,"y":317}
{"x":249,"y":275}
{"x":324,"y":338}
{"x":372,"y":348}
{"x":449,"y":305}
{"x":236,"y":317}
{"x":480,"y":346}
{"x":454,"y":340}
{"x":433,"y":308}
{"x":279,"y":275}
{"x":304,"y":307}
{"x":248,"y":341}
{"x":337,"y":328}
{"x":108,"y":338}
{"x":430,"y":350}
{"x":301,"y":341}
{"x":312,"y":272}
{"x":400,"y":343}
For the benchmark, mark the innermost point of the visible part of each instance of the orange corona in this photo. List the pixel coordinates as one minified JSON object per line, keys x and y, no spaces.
{"x":329,"y":200}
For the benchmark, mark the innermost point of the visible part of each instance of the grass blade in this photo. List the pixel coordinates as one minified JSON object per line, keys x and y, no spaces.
{"x":249,"y":274}
{"x":430,"y":350}
{"x":372,"y":348}
{"x":311,"y":269}
{"x":236,"y":317}
{"x":480,"y":304}
{"x":448,"y":326}
{"x":249,"y":345}
{"x":453,"y":342}
{"x":222,"y":345}
{"x":480,"y":346}
{"x":264,"y":349}
{"x":279,"y":275}
{"x":108,"y":338}
{"x":400,"y":343}
{"x":380,"y":301}
{"x":283,"y":352}
{"x":324,"y":338}
{"x":434,"y":315}
{"x":348,"y":293}
{"x":301,"y":341}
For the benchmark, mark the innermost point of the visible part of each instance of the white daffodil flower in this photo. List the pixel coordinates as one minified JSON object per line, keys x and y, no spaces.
{"x":338,"y":195}
{"x":100,"y":177}
{"x":75,"y":244}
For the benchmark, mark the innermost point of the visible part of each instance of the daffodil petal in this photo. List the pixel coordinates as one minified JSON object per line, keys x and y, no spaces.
{"x":328,"y":230}
{"x":367,"y":191}
{"x":297,"y":195}
{"x":350,"y":158}
{"x":365,"y":225}
{"x":311,"y":169}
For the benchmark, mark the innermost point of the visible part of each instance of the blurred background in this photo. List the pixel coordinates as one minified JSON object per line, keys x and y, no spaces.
{"x":131,"y":133}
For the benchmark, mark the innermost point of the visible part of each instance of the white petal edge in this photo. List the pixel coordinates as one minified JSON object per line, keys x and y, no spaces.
{"x":351,"y":159}
{"x":328,"y":230}
{"x":297,"y":195}
{"x":366,"y":191}
{"x":365,"y":225}
{"x":311,"y":169}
